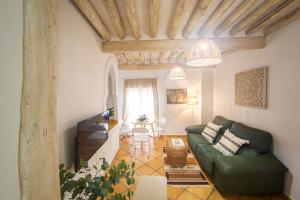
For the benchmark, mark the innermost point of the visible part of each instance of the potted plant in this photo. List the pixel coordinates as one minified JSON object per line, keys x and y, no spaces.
{"x":143,"y":118}
{"x":99,"y":187}
{"x":109,"y":113}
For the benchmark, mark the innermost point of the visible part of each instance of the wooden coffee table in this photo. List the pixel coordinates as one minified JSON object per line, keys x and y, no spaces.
{"x":176,"y":154}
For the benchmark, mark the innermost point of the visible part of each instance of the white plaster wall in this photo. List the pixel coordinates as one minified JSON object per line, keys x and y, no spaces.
{"x":207,"y":93}
{"x":81,"y":76}
{"x":11,"y":20}
{"x":281,"y":118}
{"x":178,"y":116}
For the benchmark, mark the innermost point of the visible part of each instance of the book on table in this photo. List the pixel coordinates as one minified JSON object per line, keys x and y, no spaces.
{"x":177,"y":142}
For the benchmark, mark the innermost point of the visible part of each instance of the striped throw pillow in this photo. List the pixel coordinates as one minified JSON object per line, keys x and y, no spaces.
{"x":210,"y":132}
{"x":229,"y":144}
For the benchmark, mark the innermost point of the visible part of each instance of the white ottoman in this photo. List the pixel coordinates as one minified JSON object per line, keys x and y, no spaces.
{"x":151,"y":187}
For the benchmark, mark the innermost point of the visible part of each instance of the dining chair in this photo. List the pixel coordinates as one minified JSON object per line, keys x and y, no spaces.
{"x":159,"y":127}
{"x":141,"y":135}
{"x":125,"y":129}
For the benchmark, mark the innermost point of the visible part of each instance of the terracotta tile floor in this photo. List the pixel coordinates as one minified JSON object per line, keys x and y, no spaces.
{"x":153,"y":165}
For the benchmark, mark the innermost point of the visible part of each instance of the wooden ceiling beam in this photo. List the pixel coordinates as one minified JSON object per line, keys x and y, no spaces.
{"x":121,"y":58}
{"x":154,"y":9}
{"x":173,"y":56}
{"x":283,"y":22}
{"x":261,"y":10}
{"x":287,"y":8}
{"x":215,"y":16}
{"x":178,"y":13}
{"x":182,"y":45}
{"x":113,"y":12}
{"x":135,"y":56}
{"x":141,"y":57}
{"x":92,"y":16}
{"x":234,"y":16}
{"x":165,"y":66}
{"x":195,"y":17}
{"x":144,"y":66}
{"x":163,"y":56}
{"x":181,"y":57}
{"x":228,"y":52}
{"x":153,"y":57}
{"x":129,"y":57}
{"x":147,"y":55}
{"x":131,"y":16}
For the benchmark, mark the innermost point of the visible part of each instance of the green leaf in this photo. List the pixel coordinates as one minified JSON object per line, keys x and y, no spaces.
{"x":83,"y":163}
{"x":93,"y":197}
{"x":129,"y":193}
{"x":122,"y":173}
{"x":116,"y":180}
{"x":132,"y":165}
{"x":95,"y":167}
{"x":76,"y":192}
{"x":104,"y":165}
{"x":61,"y":166}
{"x":111,"y":190}
{"x":70,"y":175}
{"x":91,"y":187}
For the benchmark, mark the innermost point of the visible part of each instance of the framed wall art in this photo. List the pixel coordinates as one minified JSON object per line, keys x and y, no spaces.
{"x":251,"y":88}
{"x":176,"y":96}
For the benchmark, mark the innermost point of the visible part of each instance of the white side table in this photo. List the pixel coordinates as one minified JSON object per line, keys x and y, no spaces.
{"x":151,"y":187}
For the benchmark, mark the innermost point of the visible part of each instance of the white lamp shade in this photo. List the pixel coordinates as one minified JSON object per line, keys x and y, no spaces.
{"x":204,"y":53}
{"x":177,"y":73}
{"x":192,"y":100}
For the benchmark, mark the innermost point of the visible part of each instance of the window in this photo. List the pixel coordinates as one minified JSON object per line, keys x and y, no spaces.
{"x":140,"y":97}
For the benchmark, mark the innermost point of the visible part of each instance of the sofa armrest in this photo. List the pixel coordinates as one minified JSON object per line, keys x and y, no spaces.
{"x":234,"y":165}
{"x":195,"y":128}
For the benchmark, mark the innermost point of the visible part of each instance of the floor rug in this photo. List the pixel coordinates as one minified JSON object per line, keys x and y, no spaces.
{"x":185,"y":177}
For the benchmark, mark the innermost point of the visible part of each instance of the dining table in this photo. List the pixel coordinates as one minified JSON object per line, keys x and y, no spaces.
{"x":145,"y":124}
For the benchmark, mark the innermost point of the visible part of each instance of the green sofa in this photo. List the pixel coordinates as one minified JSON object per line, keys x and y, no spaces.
{"x":253,"y":170}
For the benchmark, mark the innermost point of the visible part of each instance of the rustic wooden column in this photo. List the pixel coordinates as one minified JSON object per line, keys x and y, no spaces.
{"x":38,"y":146}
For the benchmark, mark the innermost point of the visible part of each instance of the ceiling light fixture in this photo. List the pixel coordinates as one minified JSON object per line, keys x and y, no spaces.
{"x":203,"y":54}
{"x":177,"y":73}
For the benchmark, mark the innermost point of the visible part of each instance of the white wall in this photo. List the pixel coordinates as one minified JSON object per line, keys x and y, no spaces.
{"x":178,"y":116}
{"x":81,"y":76}
{"x":281,"y":118}
{"x":11,"y":20}
{"x":207,"y":94}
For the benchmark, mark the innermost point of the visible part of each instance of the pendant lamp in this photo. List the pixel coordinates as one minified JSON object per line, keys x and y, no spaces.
{"x":204,"y":53}
{"x":177,"y":73}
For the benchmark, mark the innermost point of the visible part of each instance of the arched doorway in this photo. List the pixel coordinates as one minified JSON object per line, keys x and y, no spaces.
{"x":111,"y":85}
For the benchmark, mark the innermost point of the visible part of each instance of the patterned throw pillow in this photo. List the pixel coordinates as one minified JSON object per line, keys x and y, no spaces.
{"x":229,"y":144}
{"x":210,"y":132}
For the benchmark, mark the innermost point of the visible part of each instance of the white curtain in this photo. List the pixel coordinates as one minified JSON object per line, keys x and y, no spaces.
{"x":140,"y":97}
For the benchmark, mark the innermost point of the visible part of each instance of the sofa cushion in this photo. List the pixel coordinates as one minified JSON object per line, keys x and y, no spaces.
{"x":229,"y":144}
{"x":225,"y":123}
{"x":194,"y":139}
{"x":206,"y":155}
{"x":260,"y":140}
{"x":210,"y":132}
{"x":246,"y":151}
